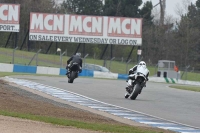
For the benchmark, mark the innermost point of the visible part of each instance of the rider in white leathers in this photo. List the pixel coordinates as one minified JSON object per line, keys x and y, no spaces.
{"x":132,"y":73}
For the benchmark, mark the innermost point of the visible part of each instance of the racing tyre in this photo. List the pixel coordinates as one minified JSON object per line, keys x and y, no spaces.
{"x":70,"y":80}
{"x":135,"y":92}
{"x":72,"y":77}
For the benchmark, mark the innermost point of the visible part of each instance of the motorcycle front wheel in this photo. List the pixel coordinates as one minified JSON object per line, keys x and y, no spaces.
{"x":135,"y":92}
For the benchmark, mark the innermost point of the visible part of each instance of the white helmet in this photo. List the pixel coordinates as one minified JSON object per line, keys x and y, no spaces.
{"x":79,"y":54}
{"x":142,"y":63}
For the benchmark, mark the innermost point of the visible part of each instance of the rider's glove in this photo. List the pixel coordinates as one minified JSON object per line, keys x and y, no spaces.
{"x":130,"y":72}
{"x":67,"y":66}
{"x":80,"y":70}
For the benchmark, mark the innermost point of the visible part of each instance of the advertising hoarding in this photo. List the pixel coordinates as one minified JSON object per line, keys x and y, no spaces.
{"x":9,"y":17}
{"x":85,"y":29}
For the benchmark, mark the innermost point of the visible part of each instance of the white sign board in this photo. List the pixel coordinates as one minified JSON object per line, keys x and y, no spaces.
{"x":85,"y":29}
{"x":9,"y":17}
{"x":139,"y":52}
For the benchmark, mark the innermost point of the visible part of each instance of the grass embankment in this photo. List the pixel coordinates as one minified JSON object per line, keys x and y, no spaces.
{"x":79,"y":124}
{"x":86,"y":125}
{"x":76,"y":123}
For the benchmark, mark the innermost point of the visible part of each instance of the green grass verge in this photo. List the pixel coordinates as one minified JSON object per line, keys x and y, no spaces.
{"x":78,"y":124}
{"x":3,"y":74}
{"x":191,"y":76}
{"x":190,"y":88}
{"x":24,"y":57}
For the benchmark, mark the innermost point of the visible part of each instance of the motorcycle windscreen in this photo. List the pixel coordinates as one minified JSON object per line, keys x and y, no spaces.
{"x":142,"y":69}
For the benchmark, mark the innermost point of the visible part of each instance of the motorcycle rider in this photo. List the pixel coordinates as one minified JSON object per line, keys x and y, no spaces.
{"x":74,"y":59}
{"x":132,"y":74}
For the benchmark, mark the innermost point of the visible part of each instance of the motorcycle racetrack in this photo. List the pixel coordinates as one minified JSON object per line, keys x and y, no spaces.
{"x":158,"y":105}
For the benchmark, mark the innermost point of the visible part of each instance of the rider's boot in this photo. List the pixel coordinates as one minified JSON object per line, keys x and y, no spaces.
{"x":129,"y":85}
{"x":68,"y":71}
{"x":128,"y":90}
{"x":127,"y":94}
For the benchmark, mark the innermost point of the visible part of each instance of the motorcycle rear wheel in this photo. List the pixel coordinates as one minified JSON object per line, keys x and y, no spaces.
{"x":72,"y":76}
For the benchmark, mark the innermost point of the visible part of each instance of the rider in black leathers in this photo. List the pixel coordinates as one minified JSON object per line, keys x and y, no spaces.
{"x":75,"y":58}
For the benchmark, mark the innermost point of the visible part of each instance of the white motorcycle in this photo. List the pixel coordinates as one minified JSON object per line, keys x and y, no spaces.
{"x":134,"y":87}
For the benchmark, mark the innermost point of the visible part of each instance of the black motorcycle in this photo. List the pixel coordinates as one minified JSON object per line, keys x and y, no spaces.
{"x":73,"y":72}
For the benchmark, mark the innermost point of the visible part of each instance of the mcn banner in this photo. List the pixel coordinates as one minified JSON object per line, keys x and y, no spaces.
{"x":9,"y":17}
{"x":85,"y":29}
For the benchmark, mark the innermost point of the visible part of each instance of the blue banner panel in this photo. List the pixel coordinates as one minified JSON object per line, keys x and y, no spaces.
{"x":87,"y":73}
{"x":122,"y":76}
{"x":63,"y":71}
{"x":24,"y":69}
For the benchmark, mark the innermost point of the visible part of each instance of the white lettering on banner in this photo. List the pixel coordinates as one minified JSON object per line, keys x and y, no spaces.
{"x":47,"y":23}
{"x":124,"y":27}
{"x":85,"y":29}
{"x":86,"y":25}
{"x":9,"y":14}
{"x":113,"y":26}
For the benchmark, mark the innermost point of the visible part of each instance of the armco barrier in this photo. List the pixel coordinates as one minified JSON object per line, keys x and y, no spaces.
{"x":6,"y":67}
{"x":42,"y":70}
{"x":185,"y":82}
{"x":105,"y":75}
{"x":62,"y":71}
{"x":24,"y":69}
{"x":84,"y":72}
{"x":87,"y":73}
{"x":57,"y":71}
{"x":48,"y":70}
{"x":162,"y":79}
{"x":122,"y":76}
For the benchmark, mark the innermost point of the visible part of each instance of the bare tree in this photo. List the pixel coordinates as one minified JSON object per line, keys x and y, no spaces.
{"x":182,"y":8}
{"x":162,"y":11}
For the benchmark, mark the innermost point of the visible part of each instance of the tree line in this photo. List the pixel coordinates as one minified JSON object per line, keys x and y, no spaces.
{"x":178,"y":41}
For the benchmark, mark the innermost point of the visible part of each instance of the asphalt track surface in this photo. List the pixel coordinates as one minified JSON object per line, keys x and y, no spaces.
{"x":156,"y":99}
